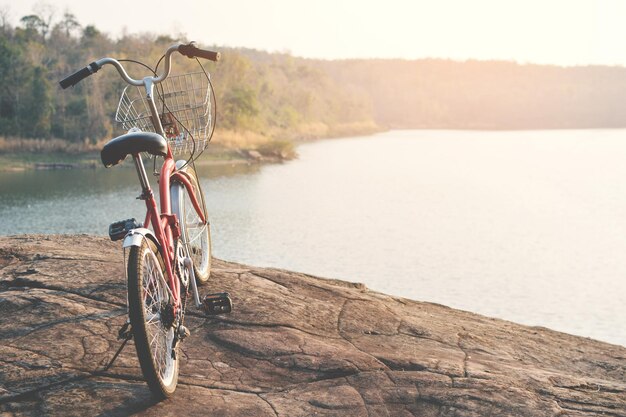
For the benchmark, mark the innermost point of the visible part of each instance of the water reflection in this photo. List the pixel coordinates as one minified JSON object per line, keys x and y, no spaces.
{"x":80,"y":201}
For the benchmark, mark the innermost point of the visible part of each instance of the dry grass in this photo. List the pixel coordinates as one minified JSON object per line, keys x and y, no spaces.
{"x":15,"y":145}
{"x":320,"y":130}
{"x":248,"y":140}
{"x":353,"y":128}
{"x":314,"y":130}
{"x":243,"y":139}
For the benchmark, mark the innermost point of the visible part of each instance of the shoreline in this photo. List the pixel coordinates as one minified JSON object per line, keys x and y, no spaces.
{"x":20,"y":161}
{"x":216,"y":154}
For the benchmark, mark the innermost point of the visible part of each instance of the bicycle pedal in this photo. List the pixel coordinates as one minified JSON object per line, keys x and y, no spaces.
{"x":219,"y":303}
{"x":183,"y":332}
{"x":118,"y":230}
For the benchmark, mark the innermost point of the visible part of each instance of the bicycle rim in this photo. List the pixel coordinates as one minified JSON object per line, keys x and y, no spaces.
{"x":152,"y":319}
{"x":195,"y":234}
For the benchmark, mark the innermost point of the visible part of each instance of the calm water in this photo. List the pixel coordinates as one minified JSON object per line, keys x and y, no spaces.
{"x":526,"y":226}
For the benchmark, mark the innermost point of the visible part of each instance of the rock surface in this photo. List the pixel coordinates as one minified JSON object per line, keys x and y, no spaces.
{"x":295,"y":345}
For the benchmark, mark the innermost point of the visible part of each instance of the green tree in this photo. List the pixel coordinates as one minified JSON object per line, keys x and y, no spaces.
{"x":90,"y":32}
{"x":12,"y":81}
{"x":36,"y":110}
{"x":240,"y":107}
{"x":35,"y":26}
{"x":69,"y":24}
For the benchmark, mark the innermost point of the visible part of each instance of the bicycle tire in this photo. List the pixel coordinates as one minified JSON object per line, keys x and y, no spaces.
{"x":152,"y":331}
{"x":196,"y":235}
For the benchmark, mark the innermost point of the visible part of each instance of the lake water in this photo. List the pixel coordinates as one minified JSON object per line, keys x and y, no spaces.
{"x":529,"y":226}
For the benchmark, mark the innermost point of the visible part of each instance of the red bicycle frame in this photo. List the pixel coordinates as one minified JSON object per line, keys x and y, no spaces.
{"x":164,"y":223}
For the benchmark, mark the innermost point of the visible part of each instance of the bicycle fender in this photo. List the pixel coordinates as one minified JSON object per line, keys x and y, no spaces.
{"x":135,"y":236}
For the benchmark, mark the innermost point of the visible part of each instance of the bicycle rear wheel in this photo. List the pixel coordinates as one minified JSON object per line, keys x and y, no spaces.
{"x":152,"y":319}
{"x":195,"y":234}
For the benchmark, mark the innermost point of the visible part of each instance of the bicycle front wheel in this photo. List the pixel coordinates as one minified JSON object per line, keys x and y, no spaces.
{"x":195,"y":234}
{"x":152,"y":319}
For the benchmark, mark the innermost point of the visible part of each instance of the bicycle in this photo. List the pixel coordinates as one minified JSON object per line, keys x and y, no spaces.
{"x":164,"y":263}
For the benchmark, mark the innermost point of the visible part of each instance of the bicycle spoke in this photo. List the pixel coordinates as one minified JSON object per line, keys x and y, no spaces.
{"x":154,"y":338}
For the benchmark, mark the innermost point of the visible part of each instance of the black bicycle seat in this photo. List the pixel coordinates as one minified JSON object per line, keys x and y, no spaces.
{"x":116,"y":150}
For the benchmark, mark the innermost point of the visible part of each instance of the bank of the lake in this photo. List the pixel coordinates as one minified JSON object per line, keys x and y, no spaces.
{"x":24,"y":161}
{"x":228,"y":147}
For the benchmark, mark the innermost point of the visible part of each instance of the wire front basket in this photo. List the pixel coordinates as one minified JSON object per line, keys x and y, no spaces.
{"x":184,"y":106}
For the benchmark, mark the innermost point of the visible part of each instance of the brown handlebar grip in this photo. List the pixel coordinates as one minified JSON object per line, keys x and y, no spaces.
{"x":191,"y":51}
{"x":213,"y":56}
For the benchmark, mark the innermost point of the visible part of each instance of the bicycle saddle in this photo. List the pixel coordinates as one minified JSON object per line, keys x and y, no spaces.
{"x":116,"y":150}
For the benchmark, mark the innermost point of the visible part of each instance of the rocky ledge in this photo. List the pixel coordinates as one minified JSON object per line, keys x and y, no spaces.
{"x":295,"y":345}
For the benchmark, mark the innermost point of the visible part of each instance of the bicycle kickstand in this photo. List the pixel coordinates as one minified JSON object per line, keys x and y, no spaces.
{"x":125,"y":333}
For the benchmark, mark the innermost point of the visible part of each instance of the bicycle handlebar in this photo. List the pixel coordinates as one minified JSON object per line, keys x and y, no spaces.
{"x":79,"y":75}
{"x":190,"y":50}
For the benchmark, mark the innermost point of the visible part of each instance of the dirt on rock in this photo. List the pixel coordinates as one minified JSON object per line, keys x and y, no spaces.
{"x":294,"y":345}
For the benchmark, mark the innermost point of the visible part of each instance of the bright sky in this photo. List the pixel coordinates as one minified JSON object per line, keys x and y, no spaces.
{"x":563,"y":32}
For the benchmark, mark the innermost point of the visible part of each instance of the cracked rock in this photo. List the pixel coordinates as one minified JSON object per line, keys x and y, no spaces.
{"x":294,"y":345}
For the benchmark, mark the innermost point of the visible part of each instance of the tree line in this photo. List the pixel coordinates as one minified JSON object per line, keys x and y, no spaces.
{"x":436,"y":93}
{"x":274,"y":96}
{"x":280,"y":96}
